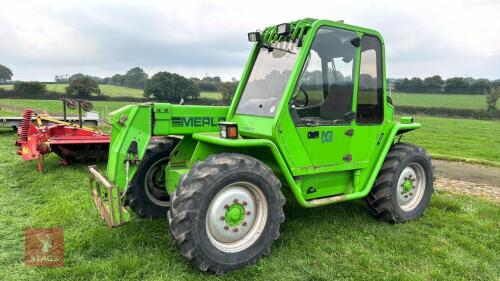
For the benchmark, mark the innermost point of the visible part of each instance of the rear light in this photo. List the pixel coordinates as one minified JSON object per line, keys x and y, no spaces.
{"x":228,"y":130}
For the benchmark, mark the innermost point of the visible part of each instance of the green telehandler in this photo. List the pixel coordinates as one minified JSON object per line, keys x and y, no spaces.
{"x":310,"y":114}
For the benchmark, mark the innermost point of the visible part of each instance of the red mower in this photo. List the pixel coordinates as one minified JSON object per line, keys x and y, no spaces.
{"x":69,"y":141}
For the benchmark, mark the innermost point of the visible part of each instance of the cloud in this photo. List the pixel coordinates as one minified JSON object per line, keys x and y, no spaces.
{"x":41,"y":39}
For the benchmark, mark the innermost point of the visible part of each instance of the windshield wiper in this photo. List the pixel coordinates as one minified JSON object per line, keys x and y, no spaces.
{"x":270,"y":49}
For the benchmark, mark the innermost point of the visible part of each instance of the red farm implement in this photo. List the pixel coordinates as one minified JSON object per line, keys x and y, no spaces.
{"x":69,"y":141}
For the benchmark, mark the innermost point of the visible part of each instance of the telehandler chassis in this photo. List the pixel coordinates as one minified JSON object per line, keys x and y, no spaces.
{"x":310,"y":113}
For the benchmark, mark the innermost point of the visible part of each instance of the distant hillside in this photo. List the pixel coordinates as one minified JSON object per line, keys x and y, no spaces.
{"x":107,"y":90}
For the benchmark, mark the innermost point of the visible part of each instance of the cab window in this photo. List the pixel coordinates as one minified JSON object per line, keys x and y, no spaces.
{"x":370,"y":87}
{"x":325,"y":92}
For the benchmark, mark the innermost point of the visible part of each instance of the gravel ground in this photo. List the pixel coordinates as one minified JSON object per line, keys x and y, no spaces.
{"x":469,"y":179}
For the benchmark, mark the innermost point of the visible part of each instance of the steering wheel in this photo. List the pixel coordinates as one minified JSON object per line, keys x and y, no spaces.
{"x":298,"y":103}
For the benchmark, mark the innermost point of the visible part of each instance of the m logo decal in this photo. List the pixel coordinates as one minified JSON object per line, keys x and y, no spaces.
{"x":327,"y":136}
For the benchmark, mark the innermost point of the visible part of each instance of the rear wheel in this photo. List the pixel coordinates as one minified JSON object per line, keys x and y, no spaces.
{"x":404,"y":185}
{"x":226,"y":212}
{"x":146,"y":194}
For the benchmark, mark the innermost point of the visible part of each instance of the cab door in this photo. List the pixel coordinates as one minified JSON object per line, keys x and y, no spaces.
{"x":368,"y":134}
{"x":323,"y":102}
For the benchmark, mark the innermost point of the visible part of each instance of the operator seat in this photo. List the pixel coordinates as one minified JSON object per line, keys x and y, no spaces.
{"x":337,"y":103}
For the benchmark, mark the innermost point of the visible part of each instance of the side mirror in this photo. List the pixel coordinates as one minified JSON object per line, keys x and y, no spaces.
{"x":351,"y":115}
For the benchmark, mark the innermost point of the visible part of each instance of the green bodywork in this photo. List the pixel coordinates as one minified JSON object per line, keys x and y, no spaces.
{"x":316,"y":172}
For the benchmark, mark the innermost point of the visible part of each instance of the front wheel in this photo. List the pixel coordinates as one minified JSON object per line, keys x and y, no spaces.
{"x":226,"y":212}
{"x":404,"y":185}
{"x":147,"y":195}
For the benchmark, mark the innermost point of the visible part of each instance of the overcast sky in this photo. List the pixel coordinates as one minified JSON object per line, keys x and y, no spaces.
{"x":40,"y":39}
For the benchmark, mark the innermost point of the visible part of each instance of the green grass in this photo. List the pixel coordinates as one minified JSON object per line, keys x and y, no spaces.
{"x":457,"y":239}
{"x":7,"y":87}
{"x":440,"y":100}
{"x":119,"y":91}
{"x":211,"y":95}
{"x":107,"y":90}
{"x":55,"y":106}
{"x":465,"y":138}
{"x":114,"y":91}
{"x":4,"y":113}
{"x":412,"y":99}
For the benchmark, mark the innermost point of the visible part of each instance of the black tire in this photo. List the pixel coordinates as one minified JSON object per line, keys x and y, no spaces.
{"x":145,"y":196}
{"x":383,"y":198}
{"x":192,"y":201}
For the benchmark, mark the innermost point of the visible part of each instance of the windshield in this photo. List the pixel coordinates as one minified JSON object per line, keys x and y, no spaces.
{"x":268,"y":79}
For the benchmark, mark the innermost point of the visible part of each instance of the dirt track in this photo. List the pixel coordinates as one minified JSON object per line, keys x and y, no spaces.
{"x":470,"y":179}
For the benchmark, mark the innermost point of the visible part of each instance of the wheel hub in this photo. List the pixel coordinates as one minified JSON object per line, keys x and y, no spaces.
{"x":155,"y":184}
{"x":411,"y":186}
{"x":235,"y":215}
{"x":407,"y":185}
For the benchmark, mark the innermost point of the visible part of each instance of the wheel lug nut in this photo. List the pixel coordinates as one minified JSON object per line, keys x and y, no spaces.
{"x":248,"y":213}
{"x":406,"y":196}
{"x":235,"y":201}
{"x":235,"y":230}
{"x":244,"y":223}
{"x":226,"y":227}
{"x":226,"y":206}
{"x":244,"y":203}
{"x":222,"y":218}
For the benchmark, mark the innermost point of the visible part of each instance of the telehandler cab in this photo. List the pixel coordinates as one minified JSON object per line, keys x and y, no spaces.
{"x":310,"y":114}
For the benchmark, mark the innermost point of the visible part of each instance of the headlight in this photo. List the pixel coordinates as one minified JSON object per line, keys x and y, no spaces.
{"x":283,"y":29}
{"x":254,"y":36}
{"x":228,"y":130}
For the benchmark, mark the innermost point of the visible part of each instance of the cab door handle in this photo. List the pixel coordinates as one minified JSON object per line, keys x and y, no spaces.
{"x":313,"y":134}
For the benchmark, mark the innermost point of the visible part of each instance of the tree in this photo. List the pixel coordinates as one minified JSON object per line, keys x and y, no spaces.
{"x":402,"y":85}
{"x":170,"y":87}
{"x":29,"y":89}
{"x":455,"y":85}
{"x":416,"y":85}
{"x":492,"y":96}
{"x":117,"y":79}
{"x":433,"y":84}
{"x":227,"y":90}
{"x":215,"y":79}
{"x":5,"y":74}
{"x":76,"y":77}
{"x":479,"y":86}
{"x":61,"y":78}
{"x":136,"y":78}
{"x":83,"y":87}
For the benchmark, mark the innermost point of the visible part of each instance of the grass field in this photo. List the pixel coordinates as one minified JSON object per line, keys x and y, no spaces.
{"x":413,"y":99}
{"x":440,"y":100}
{"x":107,"y":90}
{"x":114,"y":91}
{"x":55,"y":106}
{"x":457,"y":239}
{"x":211,"y":95}
{"x":467,"y":138}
